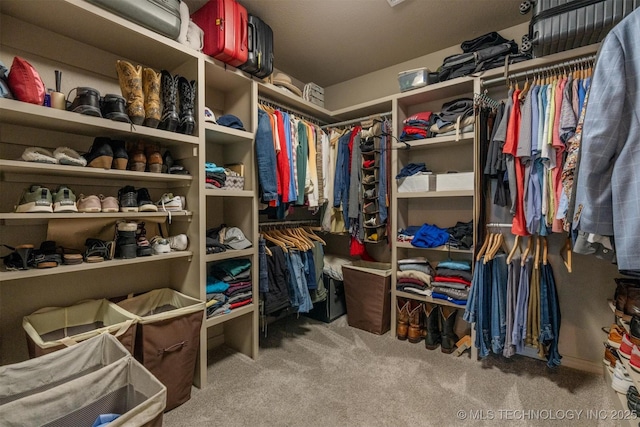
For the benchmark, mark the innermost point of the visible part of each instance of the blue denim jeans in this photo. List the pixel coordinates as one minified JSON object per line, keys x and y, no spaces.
{"x":520,"y":318}
{"x":342,"y":178}
{"x":512,"y":298}
{"x":266,"y":158}
{"x":498,"y":302}
{"x":298,"y":275}
{"x":263,"y":283}
{"x":478,"y":306}
{"x":310,"y":268}
{"x":550,"y":322}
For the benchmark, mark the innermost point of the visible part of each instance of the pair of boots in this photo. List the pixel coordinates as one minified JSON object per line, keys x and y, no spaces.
{"x":131,"y":240}
{"x":144,"y":157}
{"x":431,"y":322}
{"x":142,"y":87}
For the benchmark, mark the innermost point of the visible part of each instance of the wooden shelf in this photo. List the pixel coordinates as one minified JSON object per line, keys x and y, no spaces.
{"x":211,"y":192}
{"x":447,"y":89}
{"x":19,"y":166}
{"x":430,"y":194}
{"x":436,"y":142}
{"x":225,"y":135}
{"x":6,"y":276}
{"x":425,"y":298}
{"x":85,"y":215}
{"x":229,"y":254}
{"x":40,"y":117}
{"x":241,"y":311}
{"x":444,"y":248}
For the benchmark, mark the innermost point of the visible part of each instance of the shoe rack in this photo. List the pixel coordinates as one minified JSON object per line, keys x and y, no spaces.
{"x":84,"y":42}
{"x":440,"y":208}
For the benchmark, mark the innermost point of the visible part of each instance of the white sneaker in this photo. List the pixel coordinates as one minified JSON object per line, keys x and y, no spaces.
{"x":169,"y":202}
{"x":160,"y":245}
{"x":621,"y":380}
{"x":178,"y":242}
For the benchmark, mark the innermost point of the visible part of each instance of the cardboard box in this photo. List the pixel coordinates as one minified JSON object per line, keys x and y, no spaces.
{"x":454,"y":181}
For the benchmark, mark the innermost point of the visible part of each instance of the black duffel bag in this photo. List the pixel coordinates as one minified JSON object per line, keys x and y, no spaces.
{"x":471,"y":62}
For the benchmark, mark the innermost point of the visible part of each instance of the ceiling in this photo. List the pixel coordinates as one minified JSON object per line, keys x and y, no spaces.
{"x":331,"y":41}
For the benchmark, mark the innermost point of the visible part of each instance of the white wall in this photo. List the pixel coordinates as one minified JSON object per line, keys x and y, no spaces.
{"x":385,"y":82}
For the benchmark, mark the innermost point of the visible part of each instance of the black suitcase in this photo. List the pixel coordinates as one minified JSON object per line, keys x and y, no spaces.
{"x":559,"y":25}
{"x":161,"y":16}
{"x":260,"y":46}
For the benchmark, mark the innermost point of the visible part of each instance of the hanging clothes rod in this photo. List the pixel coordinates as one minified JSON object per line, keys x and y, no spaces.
{"x":484,"y":98}
{"x":555,"y":67}
{"x":359,"y":119}
{"x":264,"y":101}
{"x":499,"y":225}
{"x":292,"y":223}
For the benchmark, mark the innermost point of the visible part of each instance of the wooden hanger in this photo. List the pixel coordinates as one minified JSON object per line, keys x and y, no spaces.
{"x":266,"y":248}
{"x":313,"y":236}
{"x":516,"y":246}
{"x":536,"y":260}
{"x":527,"y":251}
{"x":566,"y":251}
{"x":525,"y":89}
{"x":545,"y":250}
{"x":279,"y":243}
{"x":494,"y":248}
{"x":488,"y":238}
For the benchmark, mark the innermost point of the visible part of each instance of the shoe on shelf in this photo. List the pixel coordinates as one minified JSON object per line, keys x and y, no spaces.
{"x":169,"y":202}
{"x":64,"y":200}
{"x":87,"y":101}
{"x":35,"y":199}
{"x":626,"y":347}
{"x":98,"y":250}
{"x":128,"y":199}
{"x":126,"y":245}
{"x":615,"y":335}
{"x":145,"y":204}
{"x":634,"y":360}
{"x":610,"y":358}
{"x":20,"y":258}
{"x":109,"y":203}
{"x":100,"y":154}
{"x":120,"y":155}
{"x":114,"y":107}
{"x":154,"y":158}
{"x":633,"y":400}
{"x":89,"y":204}
{"x":178,"y":242}
{"x":160,"y":245}
{"x":621,"y":381}
{"x":370,"y":221}
{"x":69,"y":156}
{"x":38,"y":155}
{"x":143,"y":246}
{"x":137,"y":159}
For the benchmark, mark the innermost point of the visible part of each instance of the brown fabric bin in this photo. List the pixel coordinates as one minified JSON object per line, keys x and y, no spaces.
{"x":54,"y":328}
{"x":168,"y":338}
{"x":367,"y":287}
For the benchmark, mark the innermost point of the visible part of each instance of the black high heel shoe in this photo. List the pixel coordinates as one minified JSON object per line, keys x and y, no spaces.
{"x":20,"y":258}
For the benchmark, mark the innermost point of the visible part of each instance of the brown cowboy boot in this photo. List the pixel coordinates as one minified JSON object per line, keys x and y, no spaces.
{"x":137,"y":158}
{"x":151,"y":88}
{"x":402,"y":319}
{"x":154,"y":158}
{"x":416,"y":330}
{"x":130,"y":79}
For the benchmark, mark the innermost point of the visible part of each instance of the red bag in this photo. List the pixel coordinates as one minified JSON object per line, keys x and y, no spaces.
{"x":25,"y":82}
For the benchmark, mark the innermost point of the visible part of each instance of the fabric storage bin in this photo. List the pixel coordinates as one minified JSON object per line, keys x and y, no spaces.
{"x":75,"y":385}
{"x":168,"y":338}
{"x":334,"y":305}
{"x":454,"y":181}
{"x":234,"y":183}
{"x":367,"y":287}
{"x":53,"y":328}
{"x":418,"y":182}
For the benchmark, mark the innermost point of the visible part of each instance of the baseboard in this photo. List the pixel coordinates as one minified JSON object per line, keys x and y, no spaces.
{"x":215,"y":341}
{"x":568,"y":361}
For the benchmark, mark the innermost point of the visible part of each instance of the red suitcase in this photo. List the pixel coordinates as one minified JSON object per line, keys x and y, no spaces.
{"x":224,"y":23}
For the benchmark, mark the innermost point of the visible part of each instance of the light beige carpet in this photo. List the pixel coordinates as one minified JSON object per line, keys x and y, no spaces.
{"x":310,"y":374}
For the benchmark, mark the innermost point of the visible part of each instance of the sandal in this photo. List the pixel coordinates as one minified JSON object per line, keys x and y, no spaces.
{"x":47,"y":256}
{"x":20,"y":258}
{"x":71,"y":256}
{"x":98,"y":250}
